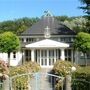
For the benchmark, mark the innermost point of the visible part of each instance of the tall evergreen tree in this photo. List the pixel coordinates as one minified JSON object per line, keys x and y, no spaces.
{"x":86,"y":8}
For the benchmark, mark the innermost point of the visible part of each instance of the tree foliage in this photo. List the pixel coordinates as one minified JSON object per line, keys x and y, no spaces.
{"x":20,"y":25}
{"x":9,"y":42}
{"x":77,"y":24}
{"x":86,"y":6}
{"x":63,"y":18}
{"x":82,"y":42}
{"x":17,"y":26}
{"x":86,"y":9}
{"x":81,"y":78}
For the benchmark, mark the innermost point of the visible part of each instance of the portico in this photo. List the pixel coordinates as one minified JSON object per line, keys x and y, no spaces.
{"x":46,"y":52}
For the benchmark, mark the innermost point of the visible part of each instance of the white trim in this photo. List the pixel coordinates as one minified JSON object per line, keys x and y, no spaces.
{"x":42,"y":36}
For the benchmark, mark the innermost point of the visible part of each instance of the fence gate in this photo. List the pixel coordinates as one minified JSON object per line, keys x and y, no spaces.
{"x":36,"y":81}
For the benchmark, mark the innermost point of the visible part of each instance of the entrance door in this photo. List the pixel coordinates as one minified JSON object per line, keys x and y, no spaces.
{"x":51,"y":57}
{"x":41,"y":57}
{"x":46,"y":58}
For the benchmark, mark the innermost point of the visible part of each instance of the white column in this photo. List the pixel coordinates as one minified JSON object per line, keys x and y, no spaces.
{"x":32,"y":55}
{"x":40,"y":58}
{"x":62,"y":54}
{"x":24,"y":40}
{"x":54,"y":55}
{"x":47,"y":57}
{"x":72,"y":55}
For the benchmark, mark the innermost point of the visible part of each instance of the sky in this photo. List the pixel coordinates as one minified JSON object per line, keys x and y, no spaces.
{"x":14,"y":9}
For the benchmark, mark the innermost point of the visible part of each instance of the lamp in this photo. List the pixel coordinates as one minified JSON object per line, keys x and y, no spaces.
{"x":73,"y":69}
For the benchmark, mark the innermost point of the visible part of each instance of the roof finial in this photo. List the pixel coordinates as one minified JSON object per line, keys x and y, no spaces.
{"x":47,"y":13}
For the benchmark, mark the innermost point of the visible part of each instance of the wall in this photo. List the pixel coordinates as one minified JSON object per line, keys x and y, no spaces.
{"x":13,"y":61}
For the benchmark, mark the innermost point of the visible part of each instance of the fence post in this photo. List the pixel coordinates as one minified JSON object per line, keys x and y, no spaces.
{"x":6,"y":83}
{"x":68,"y":82}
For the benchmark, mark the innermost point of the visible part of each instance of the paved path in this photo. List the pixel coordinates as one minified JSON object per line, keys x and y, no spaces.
{"x":43,"y":81}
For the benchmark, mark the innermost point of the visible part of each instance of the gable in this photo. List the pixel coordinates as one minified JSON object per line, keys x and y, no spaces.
{"x":47,"y":43}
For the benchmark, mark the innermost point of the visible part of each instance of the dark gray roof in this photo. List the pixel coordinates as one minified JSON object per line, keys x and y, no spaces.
{"x":56,"y":28}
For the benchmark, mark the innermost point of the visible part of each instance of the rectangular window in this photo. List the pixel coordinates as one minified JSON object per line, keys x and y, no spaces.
{"x":14,"y":55}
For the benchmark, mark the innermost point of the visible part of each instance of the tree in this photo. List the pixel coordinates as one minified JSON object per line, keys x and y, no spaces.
{"x":86,"y":8}
{"x":63,"y":18}
{"x":77,"y":24}
{"x":9,"y":42}
{"x":82,"y":43}
{"x":17,"y":26}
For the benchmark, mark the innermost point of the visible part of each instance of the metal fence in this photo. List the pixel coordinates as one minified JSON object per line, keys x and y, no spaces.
{"x":36,"y":81}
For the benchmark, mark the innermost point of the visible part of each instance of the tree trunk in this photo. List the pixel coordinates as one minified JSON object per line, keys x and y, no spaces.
{"x":9,"y":59}
{"x":85,"y":59}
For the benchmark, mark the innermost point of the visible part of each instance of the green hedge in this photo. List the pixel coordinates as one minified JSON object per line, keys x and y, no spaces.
{"x":21,"y":82}
{"x":82,"y":73}
{"x":81,"y":78}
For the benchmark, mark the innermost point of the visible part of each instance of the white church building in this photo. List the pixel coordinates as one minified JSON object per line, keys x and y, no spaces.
{"x":45,"y":42}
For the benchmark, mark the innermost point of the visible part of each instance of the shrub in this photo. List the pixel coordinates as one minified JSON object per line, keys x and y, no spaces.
{"x":21,"y":82}
{"x":3,"y":67}
{"x":81,"y":78}
{"x":3,"y":70}
{"x":63,"y":68}
{"x":82,"y":73}
{"x":25,"y":68}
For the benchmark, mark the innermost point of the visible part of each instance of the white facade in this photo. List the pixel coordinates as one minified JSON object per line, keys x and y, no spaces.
{"x":46,"y":42}
{"x":47,"y":52}
{"x":15,"y":59}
